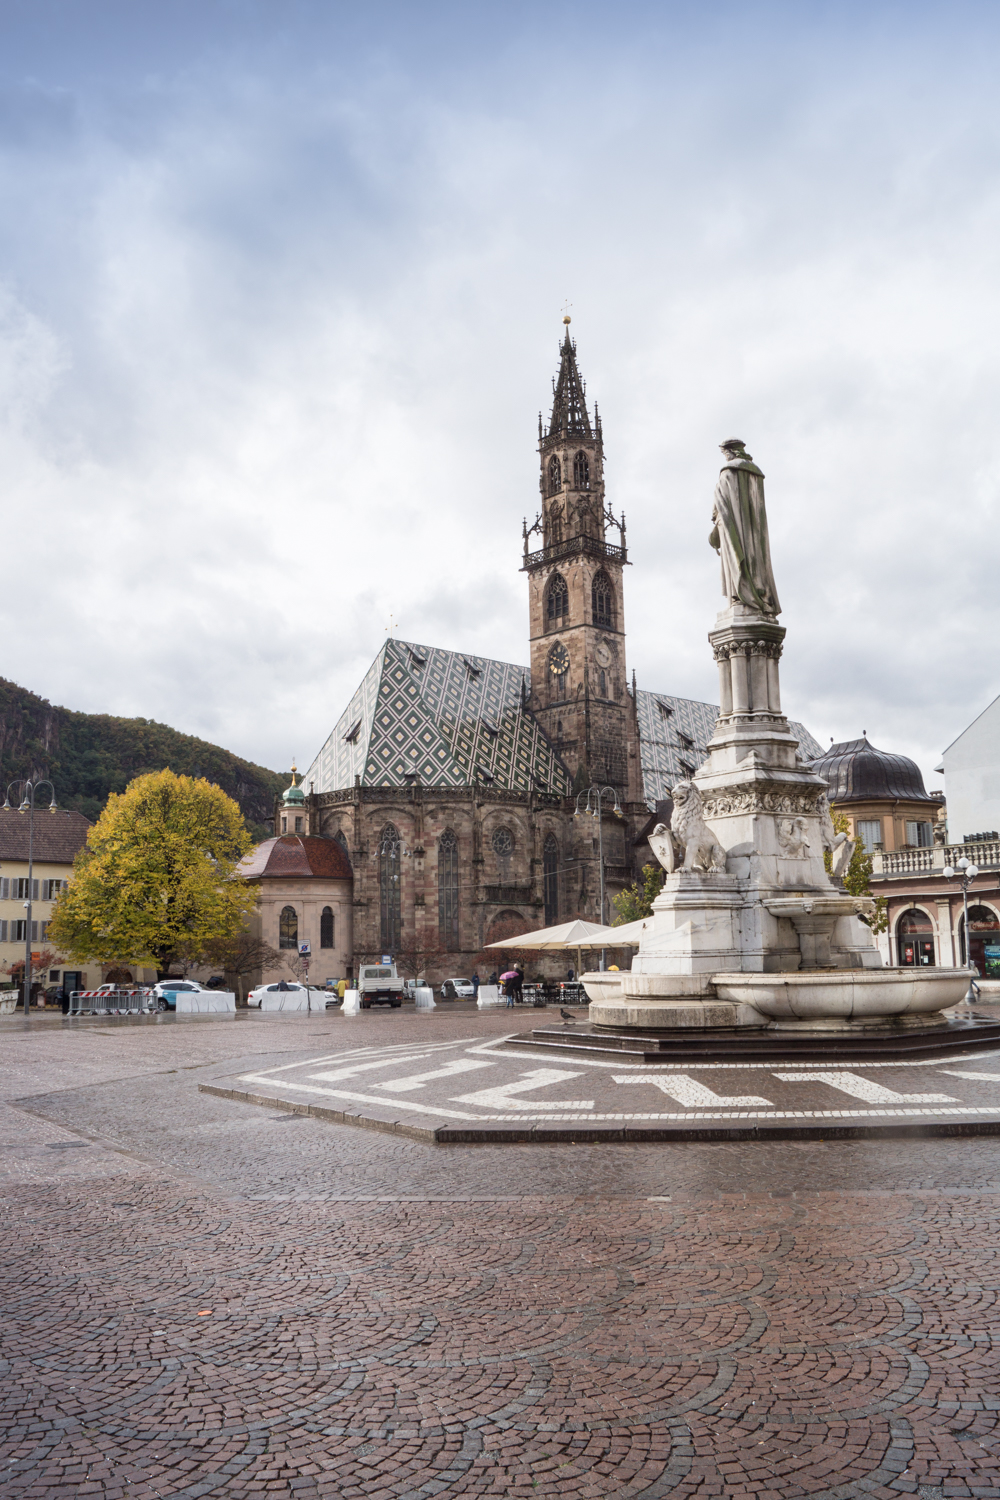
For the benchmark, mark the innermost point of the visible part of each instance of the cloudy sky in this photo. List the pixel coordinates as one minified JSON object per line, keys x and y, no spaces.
{"x":280,"y":297}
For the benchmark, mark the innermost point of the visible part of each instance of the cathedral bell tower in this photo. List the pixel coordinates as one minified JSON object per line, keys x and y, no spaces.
{"x":579,"y":685}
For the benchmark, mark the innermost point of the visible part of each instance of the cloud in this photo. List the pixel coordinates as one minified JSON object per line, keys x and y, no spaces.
{"x":281,"y":302}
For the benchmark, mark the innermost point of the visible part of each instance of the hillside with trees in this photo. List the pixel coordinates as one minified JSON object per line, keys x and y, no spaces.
{"x":88,"y":756}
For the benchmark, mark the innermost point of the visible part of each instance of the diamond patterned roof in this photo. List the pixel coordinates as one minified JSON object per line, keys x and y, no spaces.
{"x":451,"y":718}
{"x":673,"y":740}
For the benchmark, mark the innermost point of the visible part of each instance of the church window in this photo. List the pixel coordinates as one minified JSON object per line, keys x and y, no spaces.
{"x":603,"y":600}
{"x":557,"y":607}
{"x":581,"y":472}
{"x":604,"y":683}
{"x":326,"y":927}
{"x":284,"y":825}
{"x":550,"y":879}
{"x":298,"y":825}
{"x":555,"y":475}
{"x":288,"y":928}
{"x":390,"y":903}
{"x":503,"y":847}
{"x":555,"y":525}
{"x":448,"y":891}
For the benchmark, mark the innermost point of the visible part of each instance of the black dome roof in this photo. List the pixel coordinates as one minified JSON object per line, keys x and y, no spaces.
{"x":856,"y":772}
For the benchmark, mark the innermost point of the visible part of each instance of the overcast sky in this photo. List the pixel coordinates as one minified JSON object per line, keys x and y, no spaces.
{"x":280,"y":298}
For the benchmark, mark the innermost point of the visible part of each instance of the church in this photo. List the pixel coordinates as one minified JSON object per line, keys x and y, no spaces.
{"x":463,"y":792}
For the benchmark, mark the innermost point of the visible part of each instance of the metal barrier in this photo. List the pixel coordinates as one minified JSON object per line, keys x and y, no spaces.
{"x":111,"y":1003}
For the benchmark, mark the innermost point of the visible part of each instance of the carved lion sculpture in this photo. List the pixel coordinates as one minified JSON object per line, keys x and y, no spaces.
{"x":702,"y":850}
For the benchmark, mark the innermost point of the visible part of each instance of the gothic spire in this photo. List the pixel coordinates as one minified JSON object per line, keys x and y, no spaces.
{"x":569,"y":404}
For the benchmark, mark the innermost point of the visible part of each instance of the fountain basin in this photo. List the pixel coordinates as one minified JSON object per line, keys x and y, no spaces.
{"x":845,"y":994}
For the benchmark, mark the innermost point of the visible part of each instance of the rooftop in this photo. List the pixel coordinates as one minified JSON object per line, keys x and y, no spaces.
{"x":58,"y":836}
{"x":297,"y":854}
{"x":856,"y":771}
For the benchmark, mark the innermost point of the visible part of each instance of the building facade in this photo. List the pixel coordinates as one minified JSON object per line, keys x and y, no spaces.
{"x":457,"y":786}
{"x":306,"y":894}
{"x":57,"y":839}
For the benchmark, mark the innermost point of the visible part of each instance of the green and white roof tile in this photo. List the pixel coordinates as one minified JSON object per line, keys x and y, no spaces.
{"x":449,"y":719}
{"x":673,"y":740}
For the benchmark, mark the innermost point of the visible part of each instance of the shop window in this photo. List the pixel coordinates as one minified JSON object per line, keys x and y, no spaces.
{"x":915,"y":938}
{"x":984,"y":941}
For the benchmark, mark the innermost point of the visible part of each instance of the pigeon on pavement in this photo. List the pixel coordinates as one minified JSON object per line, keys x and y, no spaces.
{"x":567,"y":1016}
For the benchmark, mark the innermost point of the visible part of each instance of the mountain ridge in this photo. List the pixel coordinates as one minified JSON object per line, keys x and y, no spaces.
{"x":89,"y":756}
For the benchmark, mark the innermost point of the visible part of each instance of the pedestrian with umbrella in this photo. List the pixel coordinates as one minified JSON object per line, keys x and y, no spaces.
{"x":509,"y":980}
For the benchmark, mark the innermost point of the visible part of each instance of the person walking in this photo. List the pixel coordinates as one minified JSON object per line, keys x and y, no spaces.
{"x":518,"y":985}
{"x":475,"y":986}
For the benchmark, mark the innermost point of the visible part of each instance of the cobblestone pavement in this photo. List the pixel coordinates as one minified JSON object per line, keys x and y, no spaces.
{"x":207,"y":1298}
{"x":472,"y":1089}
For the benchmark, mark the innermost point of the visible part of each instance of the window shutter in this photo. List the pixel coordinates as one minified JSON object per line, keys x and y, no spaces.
{"x":34,"y":932}
{"x":5,"y":889}
{"x":34,"y":890}
{"x":3,"y":932}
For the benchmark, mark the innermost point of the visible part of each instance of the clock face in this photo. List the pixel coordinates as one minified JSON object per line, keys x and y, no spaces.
{"x":558,"y":660}
{"x":603,"y":654}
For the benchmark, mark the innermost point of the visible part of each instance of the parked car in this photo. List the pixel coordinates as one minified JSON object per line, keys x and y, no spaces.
{"x":165,"y":993}
{"x":458,"y":989}
{"x":285,"y":985}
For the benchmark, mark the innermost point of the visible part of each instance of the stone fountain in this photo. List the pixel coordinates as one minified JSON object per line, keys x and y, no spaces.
{"x":750,"y":930}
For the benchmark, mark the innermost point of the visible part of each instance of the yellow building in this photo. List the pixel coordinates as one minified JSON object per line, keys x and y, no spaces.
{"x":58,"y":837}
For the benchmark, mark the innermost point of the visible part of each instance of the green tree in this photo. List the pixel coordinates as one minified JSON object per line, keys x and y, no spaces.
{"x":156,"y":882}
{"x":636,"y":900}
{"x":857,"y":877}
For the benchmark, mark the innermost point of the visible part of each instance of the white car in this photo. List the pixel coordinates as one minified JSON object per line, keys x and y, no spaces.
{"x":458,"y":989}
{"x":287,"y":987}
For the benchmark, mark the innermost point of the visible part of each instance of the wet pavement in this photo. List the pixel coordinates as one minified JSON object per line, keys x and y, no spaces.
{"x":207,"y":1297}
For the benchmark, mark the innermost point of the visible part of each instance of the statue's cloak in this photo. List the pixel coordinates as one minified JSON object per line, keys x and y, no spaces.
{"x":740,"y":536}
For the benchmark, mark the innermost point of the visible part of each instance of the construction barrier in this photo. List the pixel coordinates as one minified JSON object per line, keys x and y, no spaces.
{"x":208,"y":1002}
{"x":111,"y":1003}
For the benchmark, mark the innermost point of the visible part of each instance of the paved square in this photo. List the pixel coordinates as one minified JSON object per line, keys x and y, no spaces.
{"x":468,"y":1089}
{"x":208,"y":1297}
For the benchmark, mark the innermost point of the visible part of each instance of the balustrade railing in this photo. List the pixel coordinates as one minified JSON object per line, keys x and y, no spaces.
{"x":985,"y":854}
{"x":592,"y":546}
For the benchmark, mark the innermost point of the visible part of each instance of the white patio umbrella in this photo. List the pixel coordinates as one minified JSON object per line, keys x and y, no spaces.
{"x":573,"y":935}
{"x":628,"y":935}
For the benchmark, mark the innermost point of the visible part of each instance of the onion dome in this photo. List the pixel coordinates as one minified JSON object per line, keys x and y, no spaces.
{"x":294,"y":795}
{"x":856,"y":772}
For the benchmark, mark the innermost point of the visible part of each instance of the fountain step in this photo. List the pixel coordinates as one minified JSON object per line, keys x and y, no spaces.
{"x":770,"y":1044}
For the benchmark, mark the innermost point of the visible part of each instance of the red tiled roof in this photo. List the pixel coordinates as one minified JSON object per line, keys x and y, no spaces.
{"x":58,"y":836}
{"x":297,"y":854}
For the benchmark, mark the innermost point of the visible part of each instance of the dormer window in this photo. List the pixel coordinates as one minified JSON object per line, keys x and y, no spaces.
{"x":353,"y":732}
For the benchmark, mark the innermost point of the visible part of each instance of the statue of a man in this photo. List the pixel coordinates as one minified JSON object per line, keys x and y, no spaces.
{"x":739,"y":533}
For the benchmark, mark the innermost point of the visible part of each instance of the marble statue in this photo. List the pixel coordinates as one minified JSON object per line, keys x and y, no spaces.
{"x":688,"y":844}
{"x":793,"y":838}
{"x":739,"y":532}
{"x":839,"y":846}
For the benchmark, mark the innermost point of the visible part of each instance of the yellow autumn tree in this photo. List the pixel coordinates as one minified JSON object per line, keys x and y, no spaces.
{"x":156,"y":881}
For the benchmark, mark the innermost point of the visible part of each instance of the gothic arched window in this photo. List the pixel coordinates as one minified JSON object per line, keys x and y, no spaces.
{"x":448,"y":891}
{"x":602,"y":596}
{"x":555,"y":475}
{"x":557,"y":599}
{"x":326,"y":927}
{"x":550,"y":879}
{"x":288,"y":928}
{"x":390,"y":904}
{"x":502,"y":842}
{"x":581,"y":472}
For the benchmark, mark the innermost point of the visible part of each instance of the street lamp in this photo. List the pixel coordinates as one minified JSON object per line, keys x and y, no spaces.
{"x":595,"y":795}
{"x":28,"y":806}
{"x":966,"y":871}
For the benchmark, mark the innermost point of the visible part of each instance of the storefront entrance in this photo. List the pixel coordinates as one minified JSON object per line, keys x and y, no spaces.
{"x":984,"y":941}
{"x":915,"y":936}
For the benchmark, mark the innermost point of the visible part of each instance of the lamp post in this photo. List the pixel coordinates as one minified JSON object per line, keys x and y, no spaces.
{"x":965,"y":871}
{"x":596,"y":795}
{"x":28,"y":806}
